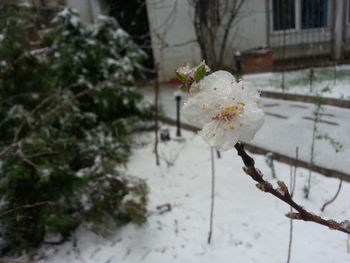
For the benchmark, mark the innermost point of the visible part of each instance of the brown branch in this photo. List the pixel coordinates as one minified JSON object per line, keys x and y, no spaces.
{"x":283,"y":194}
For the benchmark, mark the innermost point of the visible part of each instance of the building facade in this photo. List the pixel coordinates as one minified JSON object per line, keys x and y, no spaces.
{"x":292,"y":30}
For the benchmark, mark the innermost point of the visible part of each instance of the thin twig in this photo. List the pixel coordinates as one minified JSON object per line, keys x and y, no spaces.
{"x":212,"y":195}
{"x":334,"y":197}
{"x":26,"y":160}
{"x":156,"y":117}
{"x":292,"y":187}
{"x":317,"y":116}
{"x":290,"y":237}
{"x":283,"y":194}
{"x":295,"y":170}
{"x":35,"y":155}
{"x":227,"y":28}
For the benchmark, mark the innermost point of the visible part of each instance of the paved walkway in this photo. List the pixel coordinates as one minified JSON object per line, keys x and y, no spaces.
{"x":288,"y":124}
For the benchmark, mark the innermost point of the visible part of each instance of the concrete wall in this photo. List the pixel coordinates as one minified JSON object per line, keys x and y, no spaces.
{"x":171,"y":23}
{"x":250,"y":30}
{"x":172,"y":34}
{"x":174,"y":39}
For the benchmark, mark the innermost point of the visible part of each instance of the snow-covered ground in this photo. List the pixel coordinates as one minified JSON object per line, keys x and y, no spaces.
{"x":249,"y":225}
{"x":336,"y":78}
{"x":288,"y":124}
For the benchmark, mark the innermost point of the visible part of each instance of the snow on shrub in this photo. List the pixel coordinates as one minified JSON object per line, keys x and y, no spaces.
{"x":67,"y":112}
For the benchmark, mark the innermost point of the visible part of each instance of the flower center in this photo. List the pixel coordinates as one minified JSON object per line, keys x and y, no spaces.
{"x":229,"y":112}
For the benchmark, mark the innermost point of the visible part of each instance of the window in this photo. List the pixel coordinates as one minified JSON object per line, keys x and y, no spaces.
{"x":283,"y":14}
{"x":300,"y":14}
{"x":314,"y":13}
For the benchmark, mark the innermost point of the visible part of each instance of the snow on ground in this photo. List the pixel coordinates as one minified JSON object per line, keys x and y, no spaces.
{"x":337,"y":78}
{"x":249,"y":225}
{"x":287,"y":126}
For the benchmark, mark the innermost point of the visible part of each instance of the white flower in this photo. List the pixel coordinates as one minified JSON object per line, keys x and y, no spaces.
{"x":226,"y":111}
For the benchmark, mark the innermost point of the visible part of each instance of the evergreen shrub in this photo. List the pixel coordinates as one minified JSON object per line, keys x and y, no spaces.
{"x":67,"y":110}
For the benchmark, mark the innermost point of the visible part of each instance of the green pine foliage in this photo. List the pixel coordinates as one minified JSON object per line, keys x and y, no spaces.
{"x":67,"y":110}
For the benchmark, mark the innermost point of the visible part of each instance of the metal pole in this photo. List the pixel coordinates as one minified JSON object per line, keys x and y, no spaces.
{"x":238,"y":62}
{"x":178,"y":127}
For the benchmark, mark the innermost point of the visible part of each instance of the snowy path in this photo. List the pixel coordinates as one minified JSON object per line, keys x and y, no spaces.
{"x":288,"y":125}
{"x":249,"y":225}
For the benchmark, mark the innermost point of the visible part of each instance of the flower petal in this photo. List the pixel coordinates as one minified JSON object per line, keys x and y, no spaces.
{"x":214,"y":134}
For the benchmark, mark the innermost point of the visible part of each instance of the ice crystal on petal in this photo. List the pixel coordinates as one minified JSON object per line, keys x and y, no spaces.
{"x":226,"y":111}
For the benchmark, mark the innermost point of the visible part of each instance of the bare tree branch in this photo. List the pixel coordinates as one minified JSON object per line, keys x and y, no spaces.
{"x":283,"y":194}
{"x":233,"y":14}
{"x":213,"y":27}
